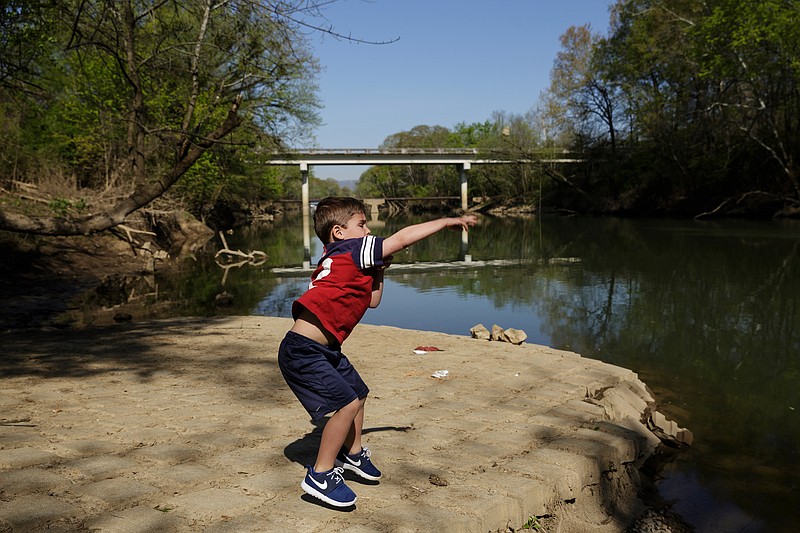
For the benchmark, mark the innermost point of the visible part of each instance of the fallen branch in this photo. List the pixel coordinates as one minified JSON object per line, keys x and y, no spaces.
{"x":16,"y":422}
{"x":128,"y":231}
{"x":227,"y":266}
{"x":254,"y":258}
{"x":561,"y":178}
{"x":26,"y":197}
{"x":735,"y":201}
{"x":24,"y":186}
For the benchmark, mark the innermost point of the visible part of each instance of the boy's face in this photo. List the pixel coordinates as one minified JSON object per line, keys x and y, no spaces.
{"x":356,"y":228}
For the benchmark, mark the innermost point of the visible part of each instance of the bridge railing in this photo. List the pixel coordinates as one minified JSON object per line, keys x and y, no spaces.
{"x":492,"y":155}
{"x":376,"y":151}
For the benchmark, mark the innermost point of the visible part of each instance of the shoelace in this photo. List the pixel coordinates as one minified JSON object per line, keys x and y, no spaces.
{"x":336,"y":474}
{"x":365,"y":452}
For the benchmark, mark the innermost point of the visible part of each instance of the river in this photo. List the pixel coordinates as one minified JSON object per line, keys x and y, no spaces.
{"x":707,"y":313}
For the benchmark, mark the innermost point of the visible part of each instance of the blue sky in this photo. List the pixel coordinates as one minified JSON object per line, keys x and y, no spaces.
{"x":455,"y":61}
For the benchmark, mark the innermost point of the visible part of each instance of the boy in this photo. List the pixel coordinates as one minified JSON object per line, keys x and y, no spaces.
{"x":348,"y":280}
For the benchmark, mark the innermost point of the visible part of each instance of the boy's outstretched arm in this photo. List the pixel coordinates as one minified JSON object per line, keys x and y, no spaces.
{"x":410,"y":234}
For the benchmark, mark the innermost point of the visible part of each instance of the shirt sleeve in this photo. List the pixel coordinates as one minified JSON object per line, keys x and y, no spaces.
{"x":369,"y":253}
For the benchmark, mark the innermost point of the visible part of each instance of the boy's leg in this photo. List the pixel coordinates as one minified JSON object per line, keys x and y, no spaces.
{"x":354,"y":456}
{"x":336,"y":431}
{"x":353,"y":441}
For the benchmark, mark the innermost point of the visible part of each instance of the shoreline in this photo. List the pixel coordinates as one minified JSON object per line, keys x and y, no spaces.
{"x":123,"y":422}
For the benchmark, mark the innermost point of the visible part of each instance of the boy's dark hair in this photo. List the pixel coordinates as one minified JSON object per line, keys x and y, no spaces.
{"x":332,"y":211}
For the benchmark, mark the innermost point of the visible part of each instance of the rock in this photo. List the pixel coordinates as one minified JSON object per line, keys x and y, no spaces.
{"x":497,"y":333}
{"x":514,"y":336}
{"x":179,"y":231}
{"x":437,"y":480}
{"x":223,"y":299}
{"x":685,"y":436}
{"x":123,"y":317}
{"x":479,"y":331}
{"x":668,"y":431}
{"x":663,"y":520}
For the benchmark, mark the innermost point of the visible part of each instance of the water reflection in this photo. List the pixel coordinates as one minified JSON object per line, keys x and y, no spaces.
{"x":707,"y":313}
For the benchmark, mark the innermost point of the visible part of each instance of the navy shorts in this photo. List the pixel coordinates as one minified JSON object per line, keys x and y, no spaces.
{"x":320,"y":376}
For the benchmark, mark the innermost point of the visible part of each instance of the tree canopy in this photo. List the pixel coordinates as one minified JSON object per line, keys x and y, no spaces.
{"x":679,"y":108}
{"x":683,"y":108}
{"x":700,"y":97}
{"x":129,"y":95}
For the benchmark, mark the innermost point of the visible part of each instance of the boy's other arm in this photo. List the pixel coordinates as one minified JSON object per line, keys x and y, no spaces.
{"x":377,"y":282}
{"x":377,"y":289}
{"x":410,"y":234}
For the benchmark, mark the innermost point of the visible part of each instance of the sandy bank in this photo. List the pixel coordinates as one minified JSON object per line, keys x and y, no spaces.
{"x":186,"y":425}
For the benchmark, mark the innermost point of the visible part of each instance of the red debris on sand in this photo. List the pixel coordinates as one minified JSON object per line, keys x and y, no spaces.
{"x":428,"y":349}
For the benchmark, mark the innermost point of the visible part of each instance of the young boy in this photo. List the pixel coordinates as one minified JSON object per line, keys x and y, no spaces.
{"x":347,"y":281}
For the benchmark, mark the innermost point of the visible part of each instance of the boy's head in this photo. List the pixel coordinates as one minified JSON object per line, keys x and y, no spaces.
{"x":335,"y":211}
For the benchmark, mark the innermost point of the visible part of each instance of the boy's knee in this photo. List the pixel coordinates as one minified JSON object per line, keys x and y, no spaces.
{"x":352,"y":407}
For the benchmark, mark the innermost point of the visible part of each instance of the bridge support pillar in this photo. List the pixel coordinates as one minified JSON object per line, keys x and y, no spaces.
{"x":306,"y":217}
{"x":373,"y":204}
{"x":462,"y":170}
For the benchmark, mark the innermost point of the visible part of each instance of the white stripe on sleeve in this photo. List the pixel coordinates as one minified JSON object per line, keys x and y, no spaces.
{"x":368,"y":252}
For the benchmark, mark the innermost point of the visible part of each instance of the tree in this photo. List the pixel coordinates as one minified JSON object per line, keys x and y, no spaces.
{"x":506,"y":136}
{"x":648,"y":56}
{"x":320,"y":188}
{"x":381,"y":180}
{"x":166,"y":80}
{"x":416,"y":180}
{"x":686,"y":105}
{"x":751,"y":50}
{"x":579,"y":99}
{"x":24,"y":27}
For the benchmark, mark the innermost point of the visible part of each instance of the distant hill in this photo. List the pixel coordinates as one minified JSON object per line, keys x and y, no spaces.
{"x":350,"y":184}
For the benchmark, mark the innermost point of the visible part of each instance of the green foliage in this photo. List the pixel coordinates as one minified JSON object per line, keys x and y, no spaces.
{"x":319,"y":188}
{"x":682,"y":106}
{"x":684,"y":103}
{"x":117,"y":93}
{"x":202,"y":184}
{"x":473,"y":135}
{"x":62,"y":206}
{"x":504,"y":136}
{"x":26,"y":37}
{"x":380,"y":181}
{"x":221,"y":177}
{"x":533,"y":524}
{"x":267,"y":185}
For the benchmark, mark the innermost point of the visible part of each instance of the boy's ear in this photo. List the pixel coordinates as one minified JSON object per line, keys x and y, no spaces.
{"x":337,"y":233}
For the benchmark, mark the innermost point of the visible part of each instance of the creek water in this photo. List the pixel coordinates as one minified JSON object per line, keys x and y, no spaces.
{"x":707,"y":313}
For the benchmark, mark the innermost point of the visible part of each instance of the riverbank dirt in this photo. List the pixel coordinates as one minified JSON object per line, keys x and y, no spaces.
{"x":39,"y":276}
{"x":186,"y":425}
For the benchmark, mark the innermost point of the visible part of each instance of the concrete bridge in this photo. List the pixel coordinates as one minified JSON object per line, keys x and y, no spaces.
{"x":463,"y":158}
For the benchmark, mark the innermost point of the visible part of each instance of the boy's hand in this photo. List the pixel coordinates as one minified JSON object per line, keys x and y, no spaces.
{"x":464,"y":222}
{"x":407,"y":236}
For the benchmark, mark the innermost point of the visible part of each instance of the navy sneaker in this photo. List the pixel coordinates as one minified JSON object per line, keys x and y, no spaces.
{"x":359,"y":463}
{"x":329,"y":487}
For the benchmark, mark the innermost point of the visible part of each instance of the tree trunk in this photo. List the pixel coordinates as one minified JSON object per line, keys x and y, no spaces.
{"x":136,"y":133}
{"x":143,"y":195}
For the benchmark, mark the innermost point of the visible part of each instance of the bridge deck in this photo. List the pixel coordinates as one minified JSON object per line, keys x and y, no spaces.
{"x":407,"y":156}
